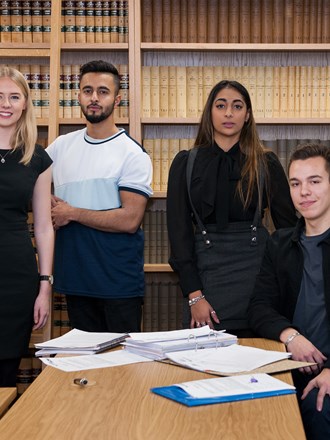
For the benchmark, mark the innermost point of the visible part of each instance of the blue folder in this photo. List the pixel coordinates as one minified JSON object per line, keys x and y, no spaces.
{"x":176,"y":393}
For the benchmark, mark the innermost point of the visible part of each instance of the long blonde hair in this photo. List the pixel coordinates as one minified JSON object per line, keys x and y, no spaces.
{"x":25,"y":133}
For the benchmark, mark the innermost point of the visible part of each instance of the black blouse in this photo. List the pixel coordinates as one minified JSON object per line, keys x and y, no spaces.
{"x":214,"y":181}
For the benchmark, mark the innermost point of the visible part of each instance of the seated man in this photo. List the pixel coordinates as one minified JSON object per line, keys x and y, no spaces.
{"x":291,"y":300}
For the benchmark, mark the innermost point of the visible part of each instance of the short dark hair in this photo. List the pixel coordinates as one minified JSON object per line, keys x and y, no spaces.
{"x":100,"y":66}
{"x":311,"y":149}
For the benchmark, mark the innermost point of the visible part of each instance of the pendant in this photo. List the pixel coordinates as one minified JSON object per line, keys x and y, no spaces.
{"x":3,"y":160}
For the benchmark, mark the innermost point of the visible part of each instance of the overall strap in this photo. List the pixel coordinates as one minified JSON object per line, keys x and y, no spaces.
{"x":190,"y":164}
{"x":257,"y":215}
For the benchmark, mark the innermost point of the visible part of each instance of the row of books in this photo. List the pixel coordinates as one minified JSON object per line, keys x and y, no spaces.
{"x":236,"y":21}
{"x":25,"y":21}
{"x":162,"y":152}
{"x":81,"y":21}
{"x":162,"y":308}
{"x":94,"y":21}
{"x":61,"y":322}
{"x":28,"y":371}
{"x":38,"y":78}
{"x":275,"y":91}
{"x":156,"y":243}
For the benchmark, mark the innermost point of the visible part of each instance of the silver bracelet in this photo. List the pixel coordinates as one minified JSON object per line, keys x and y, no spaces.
{"x":195,"y":300}
{"x":291,"y":338}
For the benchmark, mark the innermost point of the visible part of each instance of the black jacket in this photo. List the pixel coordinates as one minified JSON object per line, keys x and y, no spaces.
{"x":277,"y":285}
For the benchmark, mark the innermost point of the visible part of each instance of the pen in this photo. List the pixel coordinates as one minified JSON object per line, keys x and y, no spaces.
{"x":82,"y":381}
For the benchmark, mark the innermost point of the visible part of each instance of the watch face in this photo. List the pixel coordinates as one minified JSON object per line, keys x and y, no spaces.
{"x":51,"y":279}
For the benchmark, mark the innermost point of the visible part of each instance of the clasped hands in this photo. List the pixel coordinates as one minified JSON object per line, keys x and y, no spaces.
{"x":61,"y":212}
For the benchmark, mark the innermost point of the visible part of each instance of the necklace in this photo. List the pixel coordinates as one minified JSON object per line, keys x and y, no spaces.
{"x":2,"y":160}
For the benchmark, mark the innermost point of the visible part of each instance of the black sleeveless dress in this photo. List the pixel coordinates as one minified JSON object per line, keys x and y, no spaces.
{"x":19,"y":281}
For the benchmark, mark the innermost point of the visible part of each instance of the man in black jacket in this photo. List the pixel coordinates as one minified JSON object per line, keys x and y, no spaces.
{"x":291,"y":300}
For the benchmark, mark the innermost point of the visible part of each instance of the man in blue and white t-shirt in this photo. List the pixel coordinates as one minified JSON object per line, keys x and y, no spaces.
{"x":102,"y":181}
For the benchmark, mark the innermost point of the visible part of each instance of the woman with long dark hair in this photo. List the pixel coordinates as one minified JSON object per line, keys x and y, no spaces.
{"x":217,"y":195}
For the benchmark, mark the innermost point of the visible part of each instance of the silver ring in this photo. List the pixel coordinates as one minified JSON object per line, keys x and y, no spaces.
{"x":213,"y":311}
{"x":198,"y":324}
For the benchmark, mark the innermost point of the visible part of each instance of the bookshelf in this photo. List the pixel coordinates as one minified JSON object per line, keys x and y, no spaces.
{"x":299,"y":42}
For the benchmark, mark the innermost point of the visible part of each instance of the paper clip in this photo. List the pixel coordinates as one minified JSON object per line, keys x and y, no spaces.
{"x":82,"y":381}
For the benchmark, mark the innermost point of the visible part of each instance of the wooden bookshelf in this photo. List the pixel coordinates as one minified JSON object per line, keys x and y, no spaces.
{"x":135,"y":52}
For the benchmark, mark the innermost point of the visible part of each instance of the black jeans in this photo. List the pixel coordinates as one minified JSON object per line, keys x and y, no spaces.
{"x":105,"y":315}
{"x":316,"y":424}
{"x":8,"y":372}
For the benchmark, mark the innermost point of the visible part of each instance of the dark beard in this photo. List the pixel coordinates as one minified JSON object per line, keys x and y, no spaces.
{"x":95,"y":119}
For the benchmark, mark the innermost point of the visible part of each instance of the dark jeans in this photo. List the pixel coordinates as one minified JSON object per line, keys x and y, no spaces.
{"x":105,"y":315}
{"x":8,"y":372}
{"x":316,"y":424}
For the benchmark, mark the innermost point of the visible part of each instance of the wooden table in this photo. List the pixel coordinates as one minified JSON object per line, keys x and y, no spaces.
{"x":7,"y":395}
{"x":118,"y":405}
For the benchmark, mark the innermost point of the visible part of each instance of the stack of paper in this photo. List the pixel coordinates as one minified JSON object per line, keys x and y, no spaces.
{"x":227,"y":360}
{"x":80,"y":342}
{"x":226,"y":389}
{"x":155,"y":345}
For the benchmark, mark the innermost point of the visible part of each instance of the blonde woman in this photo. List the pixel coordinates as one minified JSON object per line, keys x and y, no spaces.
{"x":25,"y":179}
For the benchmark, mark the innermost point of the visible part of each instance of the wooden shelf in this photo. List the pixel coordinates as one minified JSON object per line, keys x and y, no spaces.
{"x":157,"y":268}
{"x":24,"y":52}
{"x":239,"y":47}
{"x":260,"y":121}
{"x":94,"y":46}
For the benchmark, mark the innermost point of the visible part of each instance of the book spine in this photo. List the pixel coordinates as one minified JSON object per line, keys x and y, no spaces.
{"x":46,"y":21}
{"x":181,"y":81}
{"x":5,"y":22}
{"x":325,"y":27}
{"x":146,"y":91}
{"x":27,"y":22}
{"x":90,"y":22}
{"x":16,"y":22}
{"x":75,"y":106}
{"x":245,"y":21}
{"x":106,"y":23}
{"x":284,"y":91}
{"x":323,"y":92}
{"x":69,"y":22}
{"x":157,"y":167}
{"x":36,"y":22}
{"x":164,"y":165}
{"x":260,"y":92}
{"x":124,"y":90}
{"x":212,"y":21}
{"x":157,"y":21}
{"x":114,"y":22}
{"x":192,"y":92}
{"x":233,"y":22}
{"x":278,"y":29}
{"x":172,"y":92}
{"x":192,"y":22}
{"x":208,"y":81}
{"x":315,"y":92}
{"x":67,"y":95}
{"x":255,"y":21}
{"x":288,"y":21}
{"x":146,"y":20}
{"x":146,"y":232}
{"x":306,"y":22}
{"x":266,"y":21}
{"x":166,"y":12}
{"x":303,"y":92}
{"x":184,"y":21}
{"x":154,"y":91}
{"x":313,"y":21}
{"x":291,"y":91}
{"x":223,"y":21}
{"x":298,"y":21}
{"x":146,"y":320}
{"x":163,"y":90}
{"x":98,"y":22}
{"x":202,"y":21}
{"x":45,"y":87}
{"x":35,"y":87}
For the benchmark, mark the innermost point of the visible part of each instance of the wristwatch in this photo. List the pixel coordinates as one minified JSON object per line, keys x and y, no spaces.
{"x":48,"y":278}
